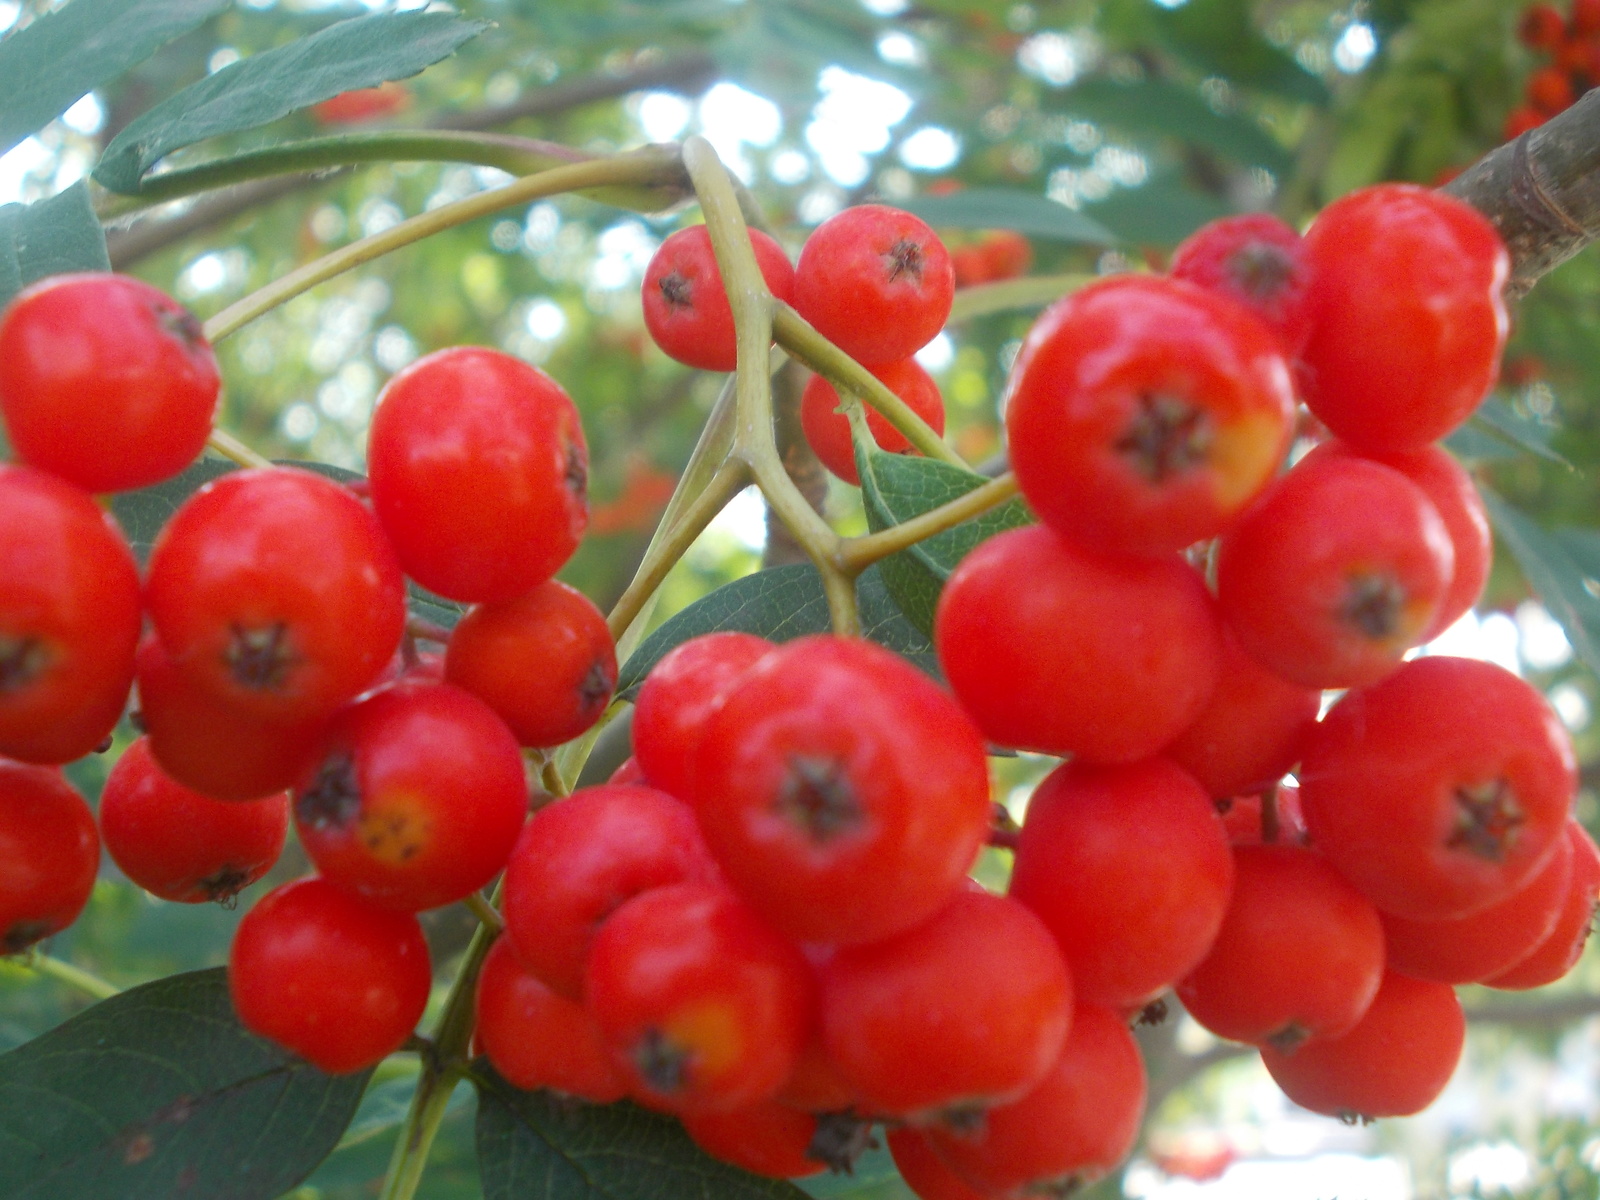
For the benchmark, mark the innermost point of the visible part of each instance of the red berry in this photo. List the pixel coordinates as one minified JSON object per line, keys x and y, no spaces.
{"x":924,"y":1172}
{"x":1558,"y":953}
{"x":479,"y":473}
{"x":1541,"y":27}
{"x":1585,"y":20}
{"x":765,"y":1138}
{"x":1549,"y":90}
{"x":1143,"y":413}
{"x":105,"y":381}
{"x":363,"y":104}
{"x":875,"y":281}
{"x":1520,"y":121}
{"x":320,"y":972}
{"x":828,"y":430}
{"x":179,"y":845}
{"x":49,"y":854}
{"x":1258,"y":261}
{"x":686,"y":307}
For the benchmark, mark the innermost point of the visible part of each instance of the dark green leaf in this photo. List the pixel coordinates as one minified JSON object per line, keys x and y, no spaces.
{"x":781,"y":603}
{"x":47,"y":67}
{"x":1003,"y":208}
{"x":896,"y":487}
{"x":1526,"y":434}
{"x":533,"y":1146}
{"x":358,"y":53}
{"x":1160,"y":212}
{"x":51,"y":237}
{"x":1220,"y":38}
{"x":142,"y":513}
{"x":160,"y":1093}
{"x":1163,"y":108}
{"x":1563,"y":568}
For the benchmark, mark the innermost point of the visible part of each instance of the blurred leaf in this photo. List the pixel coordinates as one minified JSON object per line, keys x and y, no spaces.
{"x":1003,"y":208}
{"x":1476,"y":443}
{"x":781,"y":603}
{"x":1161,"y":212}
{"x":159,"y":1092}
{"x":49,"y":66}
{"x":1219,"y":37}
{"x":1524,"y":433}
{"x":1163,"y":108}
{"x":1563,"y":569}
{"x":895,"y":487}
{"x":534,"y":1146}
{"x":358,"y":53}
{"x":50,"y":237}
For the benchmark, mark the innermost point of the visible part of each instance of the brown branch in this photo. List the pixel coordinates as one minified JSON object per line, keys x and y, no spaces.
{"x":1542,"y":191}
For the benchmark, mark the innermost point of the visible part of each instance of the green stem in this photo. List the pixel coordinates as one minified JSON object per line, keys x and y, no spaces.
{"x":65,"y":972}
{"x":859,"y":553}
{"x":225,"y":444}
{"x":1032,"y":291}
{"x":488,"y":915}
{"x":645,"y":167}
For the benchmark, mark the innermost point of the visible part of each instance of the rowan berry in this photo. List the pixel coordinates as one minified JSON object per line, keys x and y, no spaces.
{"x":1257,"y":261}
{"x":827,"y":429}
{"x":1549,"y":90}
{"x":765,"y":1138}
{"x":1541,"y":27}
{"x":1558,"y":953}
{"x":49,"y":854}
{"x":924,"y":1172}
{"x":686,"y":306}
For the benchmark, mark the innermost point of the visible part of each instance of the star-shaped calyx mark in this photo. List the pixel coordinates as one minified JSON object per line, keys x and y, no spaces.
{"x":818,"y":795}
{"x":260,"y":657}
{"x":1373,"y":604}
{"x":334,"y":798}
{"x":1260,"y":270}
{"x":904,"y":260}
{"x":661,"y":1062}
{"x":676,"y":289}
{"x":1488,"y":816}
{"x":22,"y":658}
{"x":1165,"y":437}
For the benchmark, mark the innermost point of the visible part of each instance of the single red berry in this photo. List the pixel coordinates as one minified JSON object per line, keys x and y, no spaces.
{"x":704,"y":1006}
{"x":479,"y":473}
{"x":1393,"y":1063}
{"x":1549,"y":90}
{"x":1257,"y":261}
{"x":1541,"y":27}
{"x":328,"y":976}
{"x":179,"y":845}
{"x":69,"y":619}
{"x":538,"y":1039}
{"x":49,"y":854}
{"x":361,"y":105}
{"x":1520,"y":121}
{"x":105,"y":381}
{"x":1105,"y":657}
{"x":924,"y":1172}
{"x":1006,"y":253}
{"x":1558,"y":953}
{"x":842,"y":791}
{"x":275,"y":590}
{"x":545,"y":662}
{"x":815,"y":1085}
{"x":686,"y":307}
{"x":580,"y":859}
{"x":1440,"y":790}
{"x":875,"y":281}
{"x":417,"y":798}
{"x":828,"y":430}
{"x":1409,"y":316}
{"x":765,"y":1138}
{"x":1087,"y":865}
{"x":1585,"y":21}
{"x":1143,"y":413}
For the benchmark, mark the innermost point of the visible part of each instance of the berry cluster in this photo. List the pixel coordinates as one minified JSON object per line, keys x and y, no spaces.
{"x":1573,"y":46}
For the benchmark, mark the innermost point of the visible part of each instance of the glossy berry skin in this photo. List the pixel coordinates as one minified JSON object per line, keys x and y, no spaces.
{"x":1074,"y":1126}
{"x":1257,"y":261}
{"x":1409,"y":317}
{"x":545,"y":662}
{"x":924,"y":1172}
{"x":1440,"y":790}
{"x":680,"y":695}
{"x":1143,"y":413}
{"x":105,"y":381}
{"x":417,"y":799}
{"x":704,"y":1006}
{"x":843,"y":792}
{"x":1333,"y":574}
{"x":538,"y":1039}
{"x":1299,"y":956}
{"x":1394,"y":1063}
{"x":326,"y":975}
{"x":766,"y":1138}
{"x":578,"y":860}
{"x":69,"y":619}
{"x":876,"y":282}
{"x":275,"y":590}
{"x":1087,"y":865}
{"x":1561,"y":948}
{"x":179,"y":845}
{"x":1105,"y":657}
{"x":981,"y":980}
{"x":828,"y":431}
{"x":49,"y":854}
{"x":479,"y":473}
{"x":686,"y":307}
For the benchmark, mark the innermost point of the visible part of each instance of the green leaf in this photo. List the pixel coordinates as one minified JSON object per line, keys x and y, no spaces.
{"x":781,"y":603}
{"x":1526,"y":434}
{"x":358,"y":53}
{"x":1005,"y":208}
{"x":534,"y":1146}
{"x":896,"y":487}
{"x":48,"y":66}
{"x":50,"y":237}
{"x":1220,"y":38}
{"x":1163,"y":108}
{"x":1160,"y":212}
{"x":1562,"y":568}
{"x":158,"y":1093}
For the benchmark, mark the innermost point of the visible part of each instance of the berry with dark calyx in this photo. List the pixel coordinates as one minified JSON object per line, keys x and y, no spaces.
{"x":876,"y":282}
{"x":416,"y":799}
{"x":545,"y":662}
{"x":180,"y":845}
{"x":49,"y":854}
{"x":765,"y":1138}
{"x":843,"y":792}
{"x":479,"y":473}
{"x":1258,"y":261}
{"x":686,"y":306}
{"x":1558,"y":953}
{"x":275,"y":590}
{"x":328,"y":976}
{"x":828,"y":430}
{"x":1143,"y":413}
{"x":1440,"y":790}
{"x":69,"y":618}
{"x":105,"y":381}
